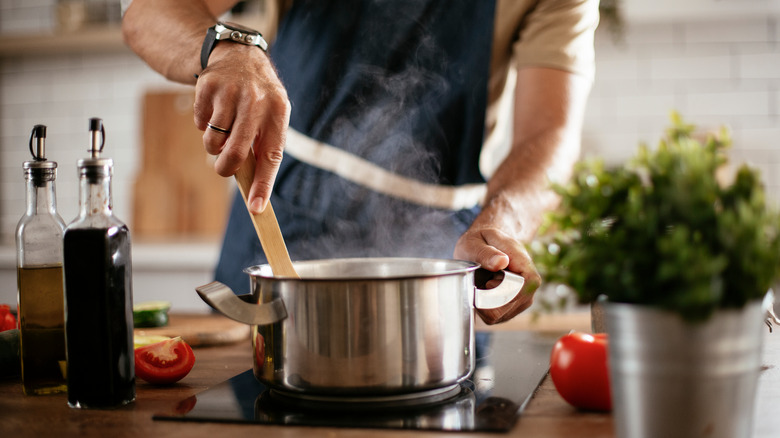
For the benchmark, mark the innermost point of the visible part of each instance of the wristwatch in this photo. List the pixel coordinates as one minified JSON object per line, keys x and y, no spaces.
{"x":229,"y":32}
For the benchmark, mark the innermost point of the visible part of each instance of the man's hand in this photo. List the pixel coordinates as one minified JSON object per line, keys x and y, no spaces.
{"x":240,"y":92}
{"x":496,"y":250}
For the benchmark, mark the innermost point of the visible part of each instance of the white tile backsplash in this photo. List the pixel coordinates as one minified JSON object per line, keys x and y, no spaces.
{"x":622,"y":68}
{"x":728,"y":103}
{"x":759,"y":65}
{"x":647,"y":104}
{"x":639,"y":34}
{"x":63,"y":92}
{"x":687,"y":66}
{"x":23,"y":94}
{"x":728,"y":32}
{"x":714,"y":72}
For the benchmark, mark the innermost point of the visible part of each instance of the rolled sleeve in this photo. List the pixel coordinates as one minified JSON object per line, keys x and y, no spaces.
{"x":558,"y":34}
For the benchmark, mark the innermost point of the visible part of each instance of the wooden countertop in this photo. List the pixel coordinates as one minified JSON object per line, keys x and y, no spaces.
{"x":547,"y":414}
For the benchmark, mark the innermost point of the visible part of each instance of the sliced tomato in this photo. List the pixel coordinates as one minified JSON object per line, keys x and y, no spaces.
{"x":164,"y":362}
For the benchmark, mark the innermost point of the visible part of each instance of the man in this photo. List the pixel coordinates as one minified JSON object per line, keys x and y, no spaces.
{"x":394,"y":121}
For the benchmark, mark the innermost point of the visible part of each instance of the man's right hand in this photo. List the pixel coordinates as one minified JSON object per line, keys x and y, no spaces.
{"x":239,"y":91}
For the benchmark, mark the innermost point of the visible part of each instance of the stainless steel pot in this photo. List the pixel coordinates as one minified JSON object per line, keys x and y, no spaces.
{"x":363,"y":326}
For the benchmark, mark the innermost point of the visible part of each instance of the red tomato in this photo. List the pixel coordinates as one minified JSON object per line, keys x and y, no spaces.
{"x":7,"y":320}
{"x":578,"y":368}
{"x":164,"y":362}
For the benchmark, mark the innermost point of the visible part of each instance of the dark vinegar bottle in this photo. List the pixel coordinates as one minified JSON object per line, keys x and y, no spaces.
{"x":98,"y":291}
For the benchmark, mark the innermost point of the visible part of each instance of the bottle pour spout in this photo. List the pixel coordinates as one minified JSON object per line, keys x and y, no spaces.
{"x":96,"y":129}
{"x":38,"y":139}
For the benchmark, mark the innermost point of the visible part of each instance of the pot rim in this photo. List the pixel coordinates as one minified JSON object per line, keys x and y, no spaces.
{"x":449,"y":267}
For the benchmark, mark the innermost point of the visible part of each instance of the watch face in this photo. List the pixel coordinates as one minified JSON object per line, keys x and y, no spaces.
{"x":240,"y":28}
{"x":240,"y":34}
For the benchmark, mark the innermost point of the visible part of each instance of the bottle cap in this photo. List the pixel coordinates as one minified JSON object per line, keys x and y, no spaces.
{"x":96,"y":130}
{"x":38,"y":150}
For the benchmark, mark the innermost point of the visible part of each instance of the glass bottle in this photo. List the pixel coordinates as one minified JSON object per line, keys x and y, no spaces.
{"x":98,"y":290}
{"x":39,"y":276}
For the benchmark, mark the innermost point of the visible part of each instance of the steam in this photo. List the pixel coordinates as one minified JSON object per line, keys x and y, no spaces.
{"x":381,"y":130}
{"x":381,"y":122}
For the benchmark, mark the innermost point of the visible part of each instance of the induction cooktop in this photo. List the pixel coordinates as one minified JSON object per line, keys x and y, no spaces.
{"x":510,"y":365}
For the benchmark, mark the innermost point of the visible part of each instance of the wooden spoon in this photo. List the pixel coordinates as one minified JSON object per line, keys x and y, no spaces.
{"x":265,"y":223}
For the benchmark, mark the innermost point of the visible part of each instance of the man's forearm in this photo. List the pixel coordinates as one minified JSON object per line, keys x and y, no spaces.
{"x":549,"y":106}
{"x":168,"y":34}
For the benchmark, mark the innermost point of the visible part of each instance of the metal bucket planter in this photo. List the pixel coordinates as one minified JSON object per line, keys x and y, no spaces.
{"x":671,"y":378}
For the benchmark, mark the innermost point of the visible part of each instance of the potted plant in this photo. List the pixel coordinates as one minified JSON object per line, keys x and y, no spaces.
{"x":683,"y":256}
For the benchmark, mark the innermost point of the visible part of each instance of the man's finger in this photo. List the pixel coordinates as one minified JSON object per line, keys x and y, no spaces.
{"x":268,"y":149}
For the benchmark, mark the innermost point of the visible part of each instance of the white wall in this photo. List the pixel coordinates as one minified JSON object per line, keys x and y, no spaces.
{"x":714,"y":72}
{"x":63,"y":92}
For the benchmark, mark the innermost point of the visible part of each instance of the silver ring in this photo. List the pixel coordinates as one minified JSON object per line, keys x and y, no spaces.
{"x":218,"y":129}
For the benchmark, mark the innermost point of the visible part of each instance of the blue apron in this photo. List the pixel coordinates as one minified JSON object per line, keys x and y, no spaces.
{"x":402,"y":84}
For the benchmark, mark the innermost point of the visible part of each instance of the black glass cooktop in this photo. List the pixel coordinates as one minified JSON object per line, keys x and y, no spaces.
{"x":510,"y":365}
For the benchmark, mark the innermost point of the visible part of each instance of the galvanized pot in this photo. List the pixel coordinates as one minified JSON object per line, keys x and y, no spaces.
{"x":375,"y":327}
{"x":671,"y":378}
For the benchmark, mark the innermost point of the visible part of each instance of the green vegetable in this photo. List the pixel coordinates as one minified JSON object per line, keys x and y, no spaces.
{"x":663,"y":230}
{"x":10,"y":354}
{"x":151,"y":314}
{"x":143,"y":340}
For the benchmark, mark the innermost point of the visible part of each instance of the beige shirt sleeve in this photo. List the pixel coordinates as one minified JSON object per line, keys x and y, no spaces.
{"x":558,"y":34}
{"x":533,"y":33}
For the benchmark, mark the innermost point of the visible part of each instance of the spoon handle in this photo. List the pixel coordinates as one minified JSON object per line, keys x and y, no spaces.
{"x":265,"y":223}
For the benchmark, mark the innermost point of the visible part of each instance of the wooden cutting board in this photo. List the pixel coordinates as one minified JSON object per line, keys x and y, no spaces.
{"x":200,"y":330}
{"x":176,"y":191}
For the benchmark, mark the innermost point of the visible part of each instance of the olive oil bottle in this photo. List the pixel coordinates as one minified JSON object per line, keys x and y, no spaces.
{"x":98,"y":291}
{"x":39,"y":276}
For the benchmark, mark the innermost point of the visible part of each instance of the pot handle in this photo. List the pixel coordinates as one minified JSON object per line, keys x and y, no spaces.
{"x":225,"y":301}
{"x":504,"y":301}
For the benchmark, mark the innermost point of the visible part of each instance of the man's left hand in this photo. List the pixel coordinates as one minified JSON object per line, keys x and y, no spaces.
{"x":496,"y":250}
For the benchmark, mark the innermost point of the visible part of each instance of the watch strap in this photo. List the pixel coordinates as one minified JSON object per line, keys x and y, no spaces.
{"x":208,"y":46}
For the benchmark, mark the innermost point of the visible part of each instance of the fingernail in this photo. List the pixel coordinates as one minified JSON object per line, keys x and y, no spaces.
{"x":257,"y":206}
{"x":496,"y":262}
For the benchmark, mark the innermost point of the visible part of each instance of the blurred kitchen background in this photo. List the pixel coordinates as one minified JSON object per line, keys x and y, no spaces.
{"x":717,"y":62}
